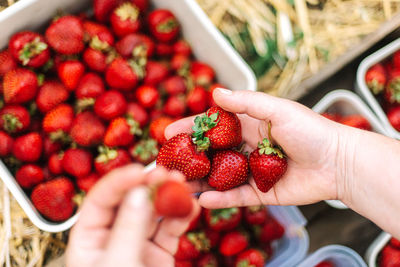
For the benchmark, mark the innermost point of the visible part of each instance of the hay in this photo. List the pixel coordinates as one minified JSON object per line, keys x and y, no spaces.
{"x":6,"y":3}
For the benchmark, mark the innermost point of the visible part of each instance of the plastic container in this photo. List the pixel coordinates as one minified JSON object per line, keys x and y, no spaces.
{"x":371,"y":256}
{"x":346,"y":102}
{"x":363,"y":90}
{"x":207,"y":42}
{"x":340,"y":256}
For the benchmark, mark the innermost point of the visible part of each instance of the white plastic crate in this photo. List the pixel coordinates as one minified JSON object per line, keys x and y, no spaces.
{"x":371,"y":256}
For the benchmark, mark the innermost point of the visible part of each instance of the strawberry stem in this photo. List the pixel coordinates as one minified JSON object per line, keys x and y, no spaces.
{"x":202,"y":124}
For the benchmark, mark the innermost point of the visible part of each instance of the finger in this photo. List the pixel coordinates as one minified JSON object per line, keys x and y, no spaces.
{"x":181,"y":126}
{"x":153,"y":255}
{"x":199,"y":186}
{"x":130,"y":227}
{"x":161,"y":174}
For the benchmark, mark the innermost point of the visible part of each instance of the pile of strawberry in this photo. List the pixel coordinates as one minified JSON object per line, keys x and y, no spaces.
{"x":354,"y":120}
{"x":325,"y":263}
{"x":94,"y":94}
{"x":232,"y":237}
{"x":383,"y":79}
{"x":390,"y":255}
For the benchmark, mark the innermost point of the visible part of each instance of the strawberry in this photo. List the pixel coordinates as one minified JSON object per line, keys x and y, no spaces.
{"x":392,"y":89}
{"x":87,"y":129}
{"x":229,"y":169}
{"x":194,"y":223}
{"x":207,"y":260}
{"x":390,"y":257}
{"x":147,"y":96}
{"x":28,"y":148}
{"x":396,"y":59}
{"x":270,"y":231}
{"x":163,"y":25}
{"x":138,"y":113}
{"x":89,"y":88}
{"x":175,"y":106}
{"x":222,"y":219}
{"x":7,"y":63}
{"x":77,"y":162}
{"x":164,"y":50}
{"x":155,"y":73}
{"x":197,"y":100}
{"x":143,"y":5}
{"x":58,"y":119}
{"x":325,"y":264}
{"x":109,"y":159}
{"x":65,"y":35}
{"x":70,"y":72}
{"x":180,"y":153}
{"x":96,"y":60}
{"x":53,"y":199}
{"x":50,"y":95}
{"x":157,"y":128}
{"x":214,"y":237}
{"x":144,"y":151}
{"x":19,"y":86}
{"x":135,"y":45}
{"x":201,"y":73}
{"x":125,"y":19}
{"x":182,"y":47}
{"x":376,"y":78}
{"x":29,"y":175}
{"x":250,"y":257}
{"x":122,"y":75}
{"x":268,"y":250}
{"x":233,"y":242}
{"x":267,"y":164}
{"x":356,"y":121}
{"x":179,"y":263}
{"x":332,"y":116}
{"x":218,"y":129}
{"x":174,"y":85}
{"x":14,"y":119}
{"x":180,"y":64}
{"x":211,"y":89}
{"x":87,"y":182}
{"x":100,"y":37}
{"x":50,"y":147}
{"x":395,"y":243}
{"x":110,"y":105}
{"x":172,"y":199}
{"x":155,"y":114}
{"x":29,"y":49}
{"x":393,"y":115}
{"x":6,"y":144}
{"x":103,"y":9}
{"x":55,"y":163}
{"x":255,"y":215}
{"x":121,"y":132}
{"x":191,"y":244}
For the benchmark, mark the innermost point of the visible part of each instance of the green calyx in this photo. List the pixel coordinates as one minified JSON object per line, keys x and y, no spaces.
{"x":202,"y":124}
{"x":267,"y":148}
{"x":60,"y":136}
{"x":222,"y":214}
{"x":146,"y":149}
{"x":375,"y":86}
{"x":134,"y":126}
{"x":254,"y":209}
{"x":11,"y":123}
{"x":98,"y":44}
{"x":40,"y":78}
{"x":84,"y":104}
{"x":106,"y":154}
{"x":395,"y":90}
{"x":167,"y":26}
{"x":199,"y":240}
{"x":138,"y":66}
{"x":127,"y":11}
{"x":244,"y":263}
{"x":31,"y":50}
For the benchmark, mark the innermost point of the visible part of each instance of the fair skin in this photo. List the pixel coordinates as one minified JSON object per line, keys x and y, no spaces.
{"x":326,"y":160}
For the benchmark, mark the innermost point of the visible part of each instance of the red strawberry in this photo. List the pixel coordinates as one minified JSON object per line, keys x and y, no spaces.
{"x":376,"y":78}
{"x":109,"y":159}
{"x":222,"y":219}
{"x":180,"y":64}
{"x":390,"y":257}
{"x":174,"y":85}
{"x":207,"y":260}
{"x":6,"y":144}
{"x":201,"y":73}
{"x":268,"y":251}
{"x":172,"y":199}
{"x":155,"y":73}
{"x":393,"y":115}
{"x":77,"y":162}
{"x":121,"y":132}
{"x":28,"y":147}
{"x":392,"y":89}
{"x":182,"y":47}
{"x":110,"y":105}
{"x":87,"y":129}
{"x":179,"y":263}
{"x":218,"y":129}
{"x":164,"y":50}
{"x":250,"y":257}
{"x":70,"y":72}
{"x":7,"y":63}
{"x":87,"y":182}
{"x":229,"y":169}
{"x":138,"y":113}
{"x":267,"y":165}
{"x":58,"y":119}
{"x":55,"y":164}
{"x":103,"y":9}
{"x":125,"y":19}
{"x":270,"y":231}
{"x":191,"y":245}
{"x":144,"y":151}
{"x":214,"y":237}
{"x":50,"y":147}
{"x":135,"y":45}
{"x":157,"y":128}
{"x":147,"y":96}
{"x":65,"y":35}
{"x":356,"y":121}
{"x":180,"y":153}
{"x":197,"y":100}
{"x":211,"y":89}
{"x":53,"y":199}
{"x":29,"y":49}
{"x":332,"y":116}
{"x":395,"y":243}
{"x":163,"y":25}
{"x":100,"y":36}
{"x":155,"y":114}
{"x":396,"y":59}
{"x":96,"y":60}
{"x":50,"y":95}
{"x":175,"y":106}
{"x":19,"y":86}
{"x":233,"y":242}
{"x":29,"y":175}
{"x":325,"y":264}
{"x":143,"y":5}
{"x":14,"y":119}
{"x":121,"y":75}
{"x":255,"y":215}
{"x":90,"y":85}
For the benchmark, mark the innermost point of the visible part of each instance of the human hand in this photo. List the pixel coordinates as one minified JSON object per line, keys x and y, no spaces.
{"x":118,"y":227}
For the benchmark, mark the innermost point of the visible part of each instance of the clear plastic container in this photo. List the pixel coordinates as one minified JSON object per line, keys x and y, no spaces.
{"x":340,"y":256}
{"x":207,"y":42}
{"x":371,"y":256}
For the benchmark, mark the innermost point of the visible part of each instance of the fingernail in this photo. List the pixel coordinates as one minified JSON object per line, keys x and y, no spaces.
{"x":138,"y":197}
{"x":224,"y":91}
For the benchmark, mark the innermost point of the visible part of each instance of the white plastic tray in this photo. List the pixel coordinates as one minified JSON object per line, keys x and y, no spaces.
{"x":362,"y":87}
{"x":371,"y":256}
{"x":207,"y":42}
{"x":345,"y":102}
